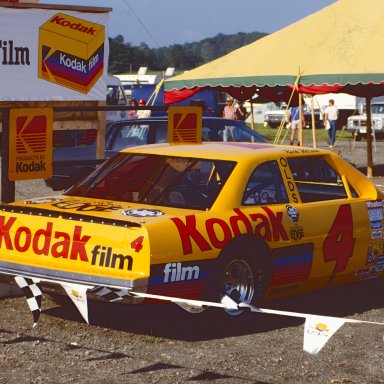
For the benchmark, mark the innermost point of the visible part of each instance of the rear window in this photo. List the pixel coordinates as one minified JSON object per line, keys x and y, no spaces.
{"x":316,"y":180}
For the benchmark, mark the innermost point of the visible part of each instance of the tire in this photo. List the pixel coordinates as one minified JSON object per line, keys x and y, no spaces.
{"x":358,"y":136}
{"x":242,"y":272}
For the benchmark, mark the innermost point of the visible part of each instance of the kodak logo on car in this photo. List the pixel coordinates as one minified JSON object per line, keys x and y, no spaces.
{"x":73,"y":245}
{"x":218,"y":232}
{"x":43,"y":241}
{"x":71,"y":52}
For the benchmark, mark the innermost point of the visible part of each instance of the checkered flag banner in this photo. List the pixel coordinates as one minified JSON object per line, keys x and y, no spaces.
{"x":111,"y":294}
{"x":33,"y":294}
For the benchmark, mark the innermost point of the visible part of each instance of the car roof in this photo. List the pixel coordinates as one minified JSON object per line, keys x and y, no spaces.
{"x":226,"y":150}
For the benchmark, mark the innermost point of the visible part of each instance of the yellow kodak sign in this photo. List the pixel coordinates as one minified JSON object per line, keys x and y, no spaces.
{"x":30,"y":143}
{"x":185,"y":125}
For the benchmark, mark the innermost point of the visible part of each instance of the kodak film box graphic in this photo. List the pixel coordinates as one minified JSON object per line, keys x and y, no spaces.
{"x":71,"y":52}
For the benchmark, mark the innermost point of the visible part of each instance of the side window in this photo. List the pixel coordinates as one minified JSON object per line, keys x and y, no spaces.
{"x":129,"y":136}
{"x":316,"y":180}
{"x":229,"y":133}
{"x":161,"y":133}
{"x":265,"y":186}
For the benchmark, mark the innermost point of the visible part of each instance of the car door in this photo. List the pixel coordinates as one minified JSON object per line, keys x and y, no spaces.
{"x":342,"y":226}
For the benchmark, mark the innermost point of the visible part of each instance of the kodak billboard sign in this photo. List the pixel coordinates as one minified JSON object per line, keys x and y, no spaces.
{"x":185,"y":125}
{"x":30,"y":143}
{"x":71,"y":52}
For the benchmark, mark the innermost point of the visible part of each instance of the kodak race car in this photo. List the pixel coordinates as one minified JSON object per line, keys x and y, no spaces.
{"x":248,"y":221}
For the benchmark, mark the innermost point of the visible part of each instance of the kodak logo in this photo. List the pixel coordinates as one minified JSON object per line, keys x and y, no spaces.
{"x":43,"y":241}
{"x":64,"y":22}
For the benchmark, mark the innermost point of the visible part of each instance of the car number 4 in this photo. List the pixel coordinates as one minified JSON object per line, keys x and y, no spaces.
{"x":339,"y":243}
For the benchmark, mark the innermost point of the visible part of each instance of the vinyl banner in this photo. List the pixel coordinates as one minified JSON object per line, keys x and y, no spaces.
{"x":48,"y":55}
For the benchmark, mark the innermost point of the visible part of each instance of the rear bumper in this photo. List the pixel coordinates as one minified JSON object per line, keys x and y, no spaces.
{"x":15,"y":269}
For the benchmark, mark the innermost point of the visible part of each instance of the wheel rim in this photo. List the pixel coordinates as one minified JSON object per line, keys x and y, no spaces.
{"x":238,"y":283}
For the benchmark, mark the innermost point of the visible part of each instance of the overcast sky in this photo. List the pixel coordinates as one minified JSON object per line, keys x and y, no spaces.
{"x":160,"y":23}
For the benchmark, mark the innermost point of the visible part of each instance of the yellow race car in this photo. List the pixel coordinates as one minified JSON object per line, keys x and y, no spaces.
{"x":248,"y":221}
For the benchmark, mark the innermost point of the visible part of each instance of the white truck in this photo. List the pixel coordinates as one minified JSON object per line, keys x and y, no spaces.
{"x":357,"y":125}
{"x":274,"y":117}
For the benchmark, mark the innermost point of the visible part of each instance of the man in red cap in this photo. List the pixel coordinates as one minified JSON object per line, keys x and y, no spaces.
{"x":144,"y":112}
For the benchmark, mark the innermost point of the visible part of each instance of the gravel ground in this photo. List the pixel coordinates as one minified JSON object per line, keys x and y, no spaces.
{"x":163,"y":344}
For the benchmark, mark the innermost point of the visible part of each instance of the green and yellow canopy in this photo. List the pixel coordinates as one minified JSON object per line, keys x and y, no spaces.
{"x":338,"y":49}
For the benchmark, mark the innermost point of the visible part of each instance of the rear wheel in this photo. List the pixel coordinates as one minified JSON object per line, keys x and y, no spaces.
{"x":242,"y":274}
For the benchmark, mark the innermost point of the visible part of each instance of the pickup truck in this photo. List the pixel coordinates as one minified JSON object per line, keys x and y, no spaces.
{"x":274,"y":117}
{"x":357,"y":125}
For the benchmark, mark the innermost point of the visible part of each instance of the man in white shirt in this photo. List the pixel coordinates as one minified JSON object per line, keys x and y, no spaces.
{"x":331,"y":115}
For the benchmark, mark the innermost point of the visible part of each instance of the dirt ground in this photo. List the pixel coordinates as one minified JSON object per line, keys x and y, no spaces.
{"x":163,"y":344}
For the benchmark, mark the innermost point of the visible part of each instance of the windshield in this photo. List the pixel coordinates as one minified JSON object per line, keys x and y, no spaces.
{"x":157,"y":180}
{"x":377,"y":108}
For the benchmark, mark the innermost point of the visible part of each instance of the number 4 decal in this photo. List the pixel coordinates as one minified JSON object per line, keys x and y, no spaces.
{"x":339,"y":243}
{"x":137,"y":244}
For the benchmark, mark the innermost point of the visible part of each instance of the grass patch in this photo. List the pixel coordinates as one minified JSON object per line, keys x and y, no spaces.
{"x":153,"y":339}
{"x":321,"y":135}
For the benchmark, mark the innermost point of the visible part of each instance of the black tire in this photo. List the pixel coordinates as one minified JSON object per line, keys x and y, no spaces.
{"x":242,"y":272}
{"x":358,"y":136}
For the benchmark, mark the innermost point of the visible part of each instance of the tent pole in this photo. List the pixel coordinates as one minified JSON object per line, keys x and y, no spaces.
{"x":369,"y":137}
{"x":313,"y":122}
{"x":301,"y":120}
{"x":252,"y":117}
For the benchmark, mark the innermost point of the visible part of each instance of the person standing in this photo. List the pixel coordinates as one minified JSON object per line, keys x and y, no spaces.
{"x":294,"y":119}
{"x":331,"y":115}
{"x":132,"y":113}
{"x":229,"y":111}
{"x":143,"y":113}
{"x":241,"y":111}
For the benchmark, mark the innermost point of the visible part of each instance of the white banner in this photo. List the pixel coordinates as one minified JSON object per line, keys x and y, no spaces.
{"x":48,"y":55}
{"x":318,"y":330}
{"x":78,"y":294}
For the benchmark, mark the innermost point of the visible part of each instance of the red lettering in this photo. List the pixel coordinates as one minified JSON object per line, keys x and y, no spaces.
{"x":227,"y":235}
{"x":78,"y":245}
{"x":234,"y":220}
{"x":57,"y":20}
{"x":276,"y":224}
{"x":46,"y":235}
{"x":77,"y":26}
{"x":19,"y":236}
{"x":61,"y":248}
{"x":263,"y":228}
{"x":4,"y":231}
{"x":187,"y":232}
{"x":339,"y":243}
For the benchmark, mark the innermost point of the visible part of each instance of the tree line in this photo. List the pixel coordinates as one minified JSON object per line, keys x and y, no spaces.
{"x":126,"y":58}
